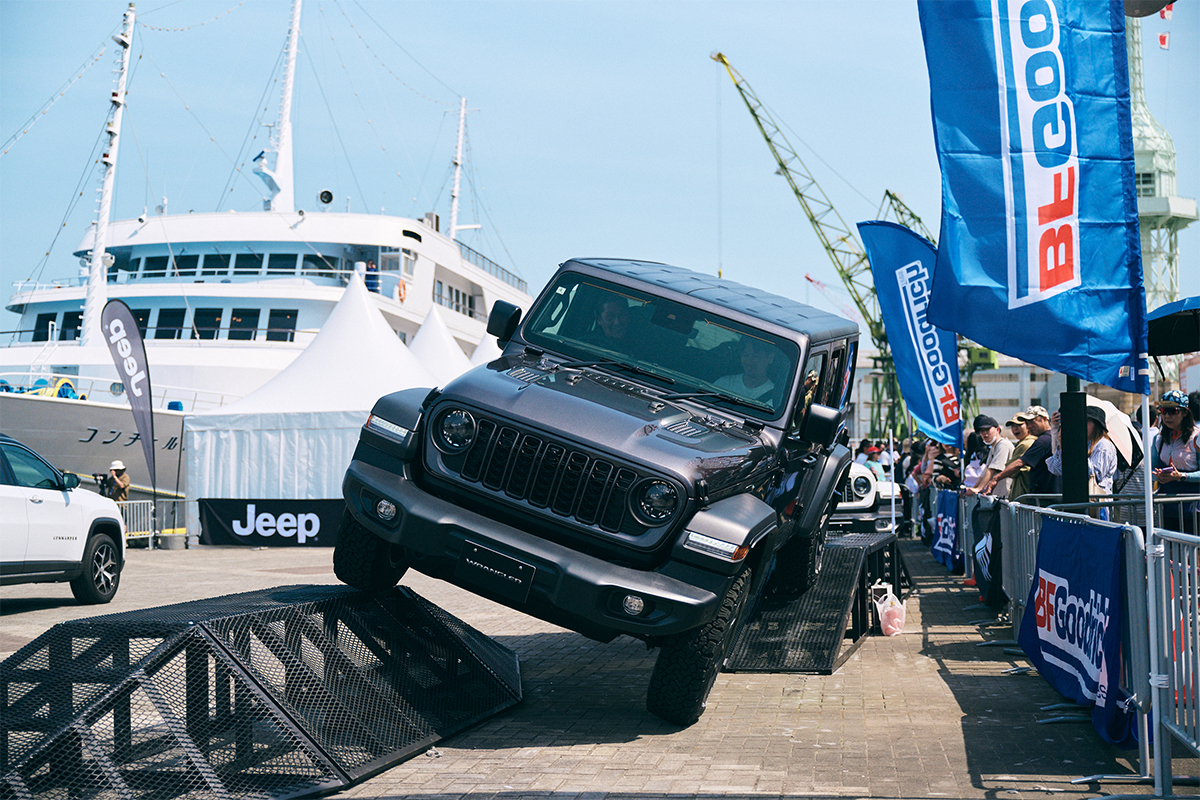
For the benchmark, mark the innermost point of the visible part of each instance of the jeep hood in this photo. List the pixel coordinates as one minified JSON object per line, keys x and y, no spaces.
{"x":609,"y":413}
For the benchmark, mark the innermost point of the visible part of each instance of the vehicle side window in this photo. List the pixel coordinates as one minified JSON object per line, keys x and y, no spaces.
{"x":813,"y":389}
{"x":848,"y":374}
{"x":30,"y":470}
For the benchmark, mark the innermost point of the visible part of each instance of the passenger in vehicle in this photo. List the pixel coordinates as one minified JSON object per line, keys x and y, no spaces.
{"x":754,"y":382}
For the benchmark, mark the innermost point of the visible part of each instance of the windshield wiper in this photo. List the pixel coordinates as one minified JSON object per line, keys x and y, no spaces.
{"x":619,"y":365}
{"x":721,"y":396}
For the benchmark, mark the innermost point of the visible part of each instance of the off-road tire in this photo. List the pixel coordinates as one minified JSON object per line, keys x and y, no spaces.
{"x":101,"y":571}
{"x":798,"y":563}
{"x":363,"y":560}
{"x":688,"y":663}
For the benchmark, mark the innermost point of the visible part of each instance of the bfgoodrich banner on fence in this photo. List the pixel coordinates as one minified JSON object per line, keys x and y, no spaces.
{"x":270,"y":523}
{"x":1071,"y":630}
{"x":1039,"y":253}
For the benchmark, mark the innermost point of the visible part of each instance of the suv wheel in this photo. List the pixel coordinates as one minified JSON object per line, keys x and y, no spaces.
{"x":798,"y":563}
{"x":101,"y":571}
{"x":363,"y":560}
{"x":688,"y":664}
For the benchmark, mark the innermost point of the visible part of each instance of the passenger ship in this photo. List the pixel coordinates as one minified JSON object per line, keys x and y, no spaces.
{"x":225,"y":300}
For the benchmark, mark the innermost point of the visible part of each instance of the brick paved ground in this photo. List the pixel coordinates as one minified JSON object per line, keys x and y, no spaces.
{"x":928,"y":713}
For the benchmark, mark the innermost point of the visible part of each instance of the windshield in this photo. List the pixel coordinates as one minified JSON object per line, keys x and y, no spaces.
{"x":679,"y":347}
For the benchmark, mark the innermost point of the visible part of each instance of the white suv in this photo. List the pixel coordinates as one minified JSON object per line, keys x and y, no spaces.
{"x":865,"y":505}
{"x":50,"y":533}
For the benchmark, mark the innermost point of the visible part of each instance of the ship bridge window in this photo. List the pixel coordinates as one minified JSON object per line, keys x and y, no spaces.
{"x":413,"y":235}
{"x":70,"y":326}
{"x":185,"y":266}
{"x":281,"y":325}
{"x":248,"y":264}
{"x":393,"y":259}
{"x":154,"y":267}
{"x":215,"y":264}
{"x":142,"y":315}
{"x":315,"y":263}
{"x":170,"y":323}
{"x":243,"y":323}
{"x":281,"y":264}
{"x":206,"y":323}
{"x":121,"y":263}
{"x":41,"y":327}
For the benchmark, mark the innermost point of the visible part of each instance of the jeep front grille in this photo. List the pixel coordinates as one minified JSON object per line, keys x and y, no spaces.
{"x":549,"y":475}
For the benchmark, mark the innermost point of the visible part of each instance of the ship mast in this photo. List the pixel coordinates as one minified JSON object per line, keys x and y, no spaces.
{"x":458,"y":160}
{"x":97,"y":287}
{"x":278,"y":179}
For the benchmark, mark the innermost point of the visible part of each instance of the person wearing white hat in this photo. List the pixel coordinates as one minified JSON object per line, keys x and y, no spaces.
{"x":118,"y":483}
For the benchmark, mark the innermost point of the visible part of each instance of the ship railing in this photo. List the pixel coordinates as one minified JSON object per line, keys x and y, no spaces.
{"x":73,"y":387}
{"x":491,"y":267}
{"x":190,"y":336}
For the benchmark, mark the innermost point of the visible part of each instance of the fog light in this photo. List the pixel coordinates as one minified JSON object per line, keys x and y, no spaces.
{"x":633,"y":605}
{"x":385,"y":510}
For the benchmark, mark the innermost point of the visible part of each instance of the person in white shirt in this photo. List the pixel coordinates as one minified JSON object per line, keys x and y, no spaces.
{"x":754,"y":382}
{"x":999,"y":453}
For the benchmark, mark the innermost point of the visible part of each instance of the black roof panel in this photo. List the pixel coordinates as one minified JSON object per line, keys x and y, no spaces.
{"x":812,"y":322}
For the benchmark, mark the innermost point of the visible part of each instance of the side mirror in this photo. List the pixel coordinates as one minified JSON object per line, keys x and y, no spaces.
{"x":821,"y":425}
{"x":70,"y":480}
{"x":503,"y":320}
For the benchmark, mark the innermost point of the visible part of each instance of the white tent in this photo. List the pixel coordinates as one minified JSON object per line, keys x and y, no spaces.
{"x":487,"y":350}
{"x":434,"y":346}
{"x":294,"y":437}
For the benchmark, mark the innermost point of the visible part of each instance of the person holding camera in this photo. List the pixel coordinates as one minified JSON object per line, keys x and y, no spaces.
{"x":115,"y":484}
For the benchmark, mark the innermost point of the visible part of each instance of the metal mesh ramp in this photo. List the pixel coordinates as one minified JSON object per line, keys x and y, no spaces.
{"x":817,"y":631}
{"x":271,"y":694}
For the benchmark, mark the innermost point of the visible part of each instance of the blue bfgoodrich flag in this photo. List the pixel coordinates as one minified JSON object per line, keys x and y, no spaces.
{"x":926,"y":357}
{"x":1039,"y":254}
{"x":1071,"y":630}
{"x":947,"y":546}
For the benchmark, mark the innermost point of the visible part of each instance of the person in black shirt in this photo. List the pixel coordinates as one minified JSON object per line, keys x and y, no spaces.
{"x":1041,"y":480}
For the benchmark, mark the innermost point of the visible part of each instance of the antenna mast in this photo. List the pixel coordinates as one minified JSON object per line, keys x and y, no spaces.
{"x":97,"y":287}
{"x":281,"y":194}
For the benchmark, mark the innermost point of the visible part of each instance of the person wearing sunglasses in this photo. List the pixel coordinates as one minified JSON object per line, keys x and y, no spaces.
{"x":1176,"y":459}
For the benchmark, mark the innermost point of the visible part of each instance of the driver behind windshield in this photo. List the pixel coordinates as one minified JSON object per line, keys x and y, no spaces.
{"x":753,"y":382}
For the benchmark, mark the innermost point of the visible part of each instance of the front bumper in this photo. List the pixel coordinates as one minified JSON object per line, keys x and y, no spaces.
{"x":567,"y":587}
{"x":868,"y":521}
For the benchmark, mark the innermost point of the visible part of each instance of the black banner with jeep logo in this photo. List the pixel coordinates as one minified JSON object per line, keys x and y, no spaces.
{"x":270,"y":523}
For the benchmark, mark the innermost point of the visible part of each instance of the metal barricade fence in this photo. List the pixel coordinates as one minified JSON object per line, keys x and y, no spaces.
{"x":150,"y":519}
{"x":139,"y":519}
{"x":1174,"y":593}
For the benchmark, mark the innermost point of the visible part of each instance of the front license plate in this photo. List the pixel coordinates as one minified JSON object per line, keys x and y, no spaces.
{"x":495,"y":572}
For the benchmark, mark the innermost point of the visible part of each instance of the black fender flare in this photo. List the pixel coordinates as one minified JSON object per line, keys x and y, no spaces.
{"x":741,"y":520}
{"x":824,"y":485}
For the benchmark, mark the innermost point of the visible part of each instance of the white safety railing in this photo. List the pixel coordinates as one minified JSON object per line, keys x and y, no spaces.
{"x":1174,"y":598}
{"x":150,"y":519}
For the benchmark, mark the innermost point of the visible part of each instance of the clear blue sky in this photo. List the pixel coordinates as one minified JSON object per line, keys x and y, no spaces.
{"x":598,"y":128}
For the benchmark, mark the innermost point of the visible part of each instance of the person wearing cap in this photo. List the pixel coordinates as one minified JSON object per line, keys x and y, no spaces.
{"x":1041,"y":481}
{"x":999,"y":454}
{"x":1175,"y":457}
{"x":1022,"y":439}
{"x":1102,"y":454}
{"x":118,"y":487}
{"x":873,"y":463}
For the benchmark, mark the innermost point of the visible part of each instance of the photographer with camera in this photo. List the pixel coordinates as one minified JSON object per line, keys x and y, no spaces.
{"x":115,"y":484}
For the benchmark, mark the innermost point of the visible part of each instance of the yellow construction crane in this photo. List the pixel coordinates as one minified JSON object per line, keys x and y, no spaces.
{"x":846,"y":252}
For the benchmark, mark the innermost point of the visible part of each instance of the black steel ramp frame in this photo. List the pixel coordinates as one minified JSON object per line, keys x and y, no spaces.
{"x":817,"y":631}
{"x":278,"y":693}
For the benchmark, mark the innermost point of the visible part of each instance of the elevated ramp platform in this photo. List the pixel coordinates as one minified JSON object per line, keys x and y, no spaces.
{"x":817,"y":631}
{"x":277,"y":693}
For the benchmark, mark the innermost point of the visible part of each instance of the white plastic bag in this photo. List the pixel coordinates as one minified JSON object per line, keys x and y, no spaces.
{"x":890,"y":609}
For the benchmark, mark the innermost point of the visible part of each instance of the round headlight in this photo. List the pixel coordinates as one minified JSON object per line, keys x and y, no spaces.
{"x":862,"y":486}
{"x":456,"y":430}
{"x":654,"y":502}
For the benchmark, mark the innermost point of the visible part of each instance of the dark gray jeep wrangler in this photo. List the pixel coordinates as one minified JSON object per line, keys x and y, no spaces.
{"x":653,"y":449}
